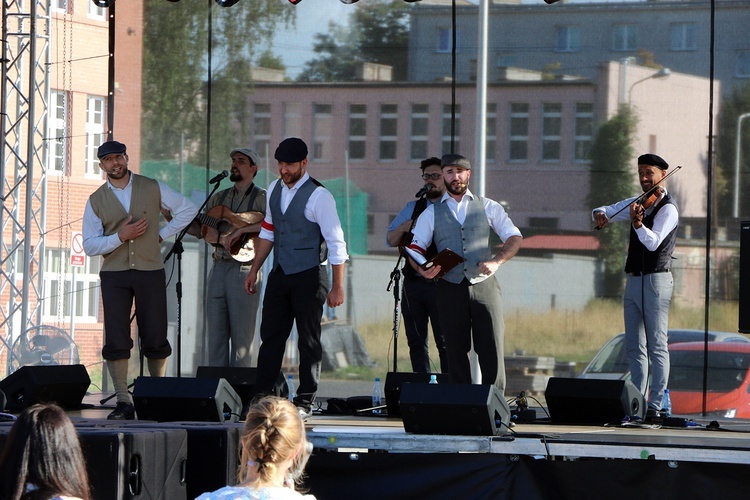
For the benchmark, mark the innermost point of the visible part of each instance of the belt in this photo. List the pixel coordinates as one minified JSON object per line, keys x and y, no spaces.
{"x":639,"y":273}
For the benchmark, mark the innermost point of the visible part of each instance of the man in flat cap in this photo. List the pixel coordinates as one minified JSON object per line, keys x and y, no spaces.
{"x":468,"y":296}
{"x":418,"y":302}
{"x":231,"y":313}
{"x":648,"y":290}
{"x":121,"y":223}
{"x":303,"y":229}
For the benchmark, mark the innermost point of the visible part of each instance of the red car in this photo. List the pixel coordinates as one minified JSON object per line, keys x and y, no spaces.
{"x":728,"y":380}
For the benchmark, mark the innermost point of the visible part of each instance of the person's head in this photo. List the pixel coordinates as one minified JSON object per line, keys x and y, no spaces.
{"x":113,"y":159}
{"x":292,"y":157}
{"x":651,"y":169}
{"x":456,"y":172}
{"x":273,"y":442}
{"x":245,"y":163}
{"x":432,"y":174}
{"x":43,"y":450}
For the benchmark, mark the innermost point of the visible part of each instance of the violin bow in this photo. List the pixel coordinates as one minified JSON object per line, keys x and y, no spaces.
{"x":646,"y":194}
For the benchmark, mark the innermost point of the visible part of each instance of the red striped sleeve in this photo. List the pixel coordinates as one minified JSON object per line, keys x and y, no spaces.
{"x":417,"y":248}
{"x":265,"y":225}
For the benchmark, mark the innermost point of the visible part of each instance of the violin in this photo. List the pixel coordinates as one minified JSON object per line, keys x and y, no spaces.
{"x":651,"y":197}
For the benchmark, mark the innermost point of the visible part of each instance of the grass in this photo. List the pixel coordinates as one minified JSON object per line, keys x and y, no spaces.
{"x":565,"y":335}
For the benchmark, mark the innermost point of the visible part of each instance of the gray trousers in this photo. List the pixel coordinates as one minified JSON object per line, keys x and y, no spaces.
{"x":231,"y":314}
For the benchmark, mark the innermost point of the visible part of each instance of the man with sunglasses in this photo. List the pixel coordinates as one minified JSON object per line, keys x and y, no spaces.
{"x":418,"y":299}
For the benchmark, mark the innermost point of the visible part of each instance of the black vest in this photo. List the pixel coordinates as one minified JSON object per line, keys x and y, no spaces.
{"x":644,"y":261}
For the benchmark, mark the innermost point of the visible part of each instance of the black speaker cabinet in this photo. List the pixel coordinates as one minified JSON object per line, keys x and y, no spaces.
{"x":64,"y":385}
{"x":744,"y":299}
{"x":395,"y":380}
{"x":454,"y":409}
{"x":169,"y":399}
{"x":593,"y":401}
{"x":242,"y":380}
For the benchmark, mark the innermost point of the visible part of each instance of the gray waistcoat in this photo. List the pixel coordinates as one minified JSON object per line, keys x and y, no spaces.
{"x":296,"y":240}
{"x":471,"y":241}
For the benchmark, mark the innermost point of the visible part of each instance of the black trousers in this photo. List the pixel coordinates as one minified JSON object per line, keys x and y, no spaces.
{"x":473,"y":313}
{"x":149,"y":290}
{"x":296,"y":297}
{"x":419,"y":306}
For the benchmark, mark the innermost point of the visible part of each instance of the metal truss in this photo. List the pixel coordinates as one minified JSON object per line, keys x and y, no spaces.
{"x":23,"y":125}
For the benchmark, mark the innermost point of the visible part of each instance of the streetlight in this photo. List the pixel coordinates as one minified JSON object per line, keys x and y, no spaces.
{"x":736,"y":210}
{"x":662,"y":73}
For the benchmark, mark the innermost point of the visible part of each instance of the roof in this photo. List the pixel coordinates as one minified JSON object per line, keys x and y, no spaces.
{"x":580,"y":243}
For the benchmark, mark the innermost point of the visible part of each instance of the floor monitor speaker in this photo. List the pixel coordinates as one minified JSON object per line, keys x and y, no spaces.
{"x":593,"y":401}
{"x":170,"y":399}
{"x":64,"y":385}
{"x":394,"y":382}
{"x":454,"y":409}
{"x":242,"y":380}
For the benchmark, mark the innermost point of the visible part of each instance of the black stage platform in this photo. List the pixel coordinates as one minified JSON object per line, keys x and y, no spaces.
{"x":373,"y":457}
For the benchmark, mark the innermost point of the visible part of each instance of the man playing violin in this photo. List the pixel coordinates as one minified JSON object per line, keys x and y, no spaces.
{"x":419,"y":303}
{"x":232,"y":313}
{"x":648,"y":290}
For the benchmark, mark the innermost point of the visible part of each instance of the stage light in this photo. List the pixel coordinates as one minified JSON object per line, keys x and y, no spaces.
{"x":226,"y":3}
{"x":550,"y":2}
{"x":104,"y":4}
{"x":412,"y":1}
{"x":294,"y":2}
{"x":349,"y":2}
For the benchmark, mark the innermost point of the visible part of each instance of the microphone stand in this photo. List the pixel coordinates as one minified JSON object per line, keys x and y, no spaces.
{"x":178,"y":250}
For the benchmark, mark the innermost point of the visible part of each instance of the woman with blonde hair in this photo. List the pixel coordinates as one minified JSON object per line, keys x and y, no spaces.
{"x":273,"y":454}
{"x":42,"y":458}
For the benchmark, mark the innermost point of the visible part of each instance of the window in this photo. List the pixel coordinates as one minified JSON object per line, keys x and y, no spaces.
{"x":357,"y":131}
{"x":568,"y":39}
{"x":624,"y":37}
{"x":418,"y":138}
{"x":292,"y":119}
{"x":95,"y":12}
{"x":58,"y":142}
{"x":388,"y":131}
{"x":322,"y":132}
{"x":94,"y":132}
{"x":742,"y":68}
{"x":445,"y":40}
{"x":683,"y":36}
{"x":261,"y":128}
{"x":58,"y":281}
{"x":584,"y":131}
{"x":59,"y":6}
{"x":518,"y":147}
{"x":551,"y":127}
{"x":491,"y":132}
{"x":446,"y":130}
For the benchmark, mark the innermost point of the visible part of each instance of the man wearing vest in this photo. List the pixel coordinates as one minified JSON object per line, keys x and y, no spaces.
{"x":649,"y":285}
{"x":300,"y":223}
{"x":231,"y":313}
{"x":468,"y":296}
{"x":121,"y":223}
{"x":418,"y":301}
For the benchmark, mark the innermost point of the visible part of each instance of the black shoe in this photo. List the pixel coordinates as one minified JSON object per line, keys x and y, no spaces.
{"x":304,"y":407}
{"x":123,"y":411}
{"x":653,"y":413}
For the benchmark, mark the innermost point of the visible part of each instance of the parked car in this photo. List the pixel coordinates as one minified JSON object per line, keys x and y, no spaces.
{"x":611,"y":361}
{"x":727,"y":380}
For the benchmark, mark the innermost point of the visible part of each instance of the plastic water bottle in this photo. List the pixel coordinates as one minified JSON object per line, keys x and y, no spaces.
{"x":377,"y":397}
{"x":666,"y":403}
{"x":433,"y":379}
{"x":290,"y":385}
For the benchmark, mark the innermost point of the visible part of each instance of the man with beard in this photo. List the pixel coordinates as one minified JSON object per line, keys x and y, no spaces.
{"x":231,"y":313}
{"x":121,"y":223}
{"x":301,"y":226}
{"x":649,"y":285}
{"x":418,"y":298}
{"x":468,"y":296}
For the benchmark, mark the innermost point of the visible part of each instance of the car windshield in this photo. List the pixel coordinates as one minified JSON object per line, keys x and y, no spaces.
{"x":726,"y":370}
{"x":612,"y":358}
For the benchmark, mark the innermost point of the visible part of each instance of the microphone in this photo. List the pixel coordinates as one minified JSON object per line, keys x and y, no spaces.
{"x":422,"y":191}
{"x":219,"y":177}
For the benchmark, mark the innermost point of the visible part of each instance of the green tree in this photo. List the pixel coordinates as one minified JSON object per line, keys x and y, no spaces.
{"x":733,"y":106}
{"x":175,"y":71}
{"x":377,"y":33}
{"x":612,"y":179}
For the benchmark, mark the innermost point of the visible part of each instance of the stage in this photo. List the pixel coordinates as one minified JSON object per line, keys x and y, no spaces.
{"x":374,"y":457}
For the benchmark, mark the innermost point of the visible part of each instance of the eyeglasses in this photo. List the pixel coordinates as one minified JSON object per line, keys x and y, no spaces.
{"x":431,"y":177}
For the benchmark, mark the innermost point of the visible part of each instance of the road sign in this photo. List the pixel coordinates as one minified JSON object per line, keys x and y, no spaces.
{"x":77,"y":255}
